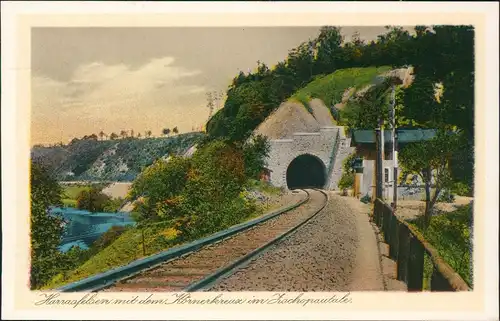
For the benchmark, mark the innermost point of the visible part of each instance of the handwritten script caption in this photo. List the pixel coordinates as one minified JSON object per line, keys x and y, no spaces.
{"x":94,"y":299}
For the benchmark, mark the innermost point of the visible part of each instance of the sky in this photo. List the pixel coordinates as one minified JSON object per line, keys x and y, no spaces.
{"x":87,"y":80}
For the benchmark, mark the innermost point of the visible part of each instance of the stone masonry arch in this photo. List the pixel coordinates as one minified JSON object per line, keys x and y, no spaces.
{"x":306,"y":171}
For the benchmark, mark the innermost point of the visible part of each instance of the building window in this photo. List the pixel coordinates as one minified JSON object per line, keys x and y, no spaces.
{"x":386,"y":174}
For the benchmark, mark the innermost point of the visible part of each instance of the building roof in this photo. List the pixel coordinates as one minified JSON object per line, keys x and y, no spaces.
{"x":404,"y":136}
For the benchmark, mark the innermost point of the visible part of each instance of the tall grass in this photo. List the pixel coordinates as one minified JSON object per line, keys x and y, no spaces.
{"x":331,"y":88}
{"x":450,"y":234}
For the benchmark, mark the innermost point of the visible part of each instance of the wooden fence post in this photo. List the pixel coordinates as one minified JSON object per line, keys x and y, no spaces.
{"x":386,"y":222}
{"x":403,"y":249}
{"x":394,"y":246}
{"x":438,"y":282}
{"x":380,"y":214}
{"x":415,"y":265}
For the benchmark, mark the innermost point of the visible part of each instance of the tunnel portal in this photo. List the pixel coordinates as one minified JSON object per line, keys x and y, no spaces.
{"x":306,"y":171}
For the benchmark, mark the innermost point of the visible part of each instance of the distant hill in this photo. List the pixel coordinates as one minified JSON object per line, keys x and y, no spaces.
{"x":110,"y":160}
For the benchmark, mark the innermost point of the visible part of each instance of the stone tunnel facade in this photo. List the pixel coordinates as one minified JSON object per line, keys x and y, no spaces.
{"x":328,"y":146}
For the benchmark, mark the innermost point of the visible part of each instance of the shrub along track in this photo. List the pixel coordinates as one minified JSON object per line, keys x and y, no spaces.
{"x":204,"y":267}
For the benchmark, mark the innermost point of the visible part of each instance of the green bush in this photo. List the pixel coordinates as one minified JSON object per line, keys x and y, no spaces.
{"x":210,"y":200}
{"x":113,"y":205}
{"x":157,"y":184}
{"x":107,"y":238}
{"x":92,"y":200}
{"x":73,"y":258}
{"x":77,"y":256}
{"x":255,"y":152}
{"x":206,"y":218}
{"x":346,"y":181}
{"x":462,"y":189}
{"x":348,"y":175}
{"x":366,"y":199}
{"x":446,"y":197}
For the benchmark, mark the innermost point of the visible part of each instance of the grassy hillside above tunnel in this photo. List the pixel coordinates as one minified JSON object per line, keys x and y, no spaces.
{"x":335,"y":87}
{"x":252,"y":102}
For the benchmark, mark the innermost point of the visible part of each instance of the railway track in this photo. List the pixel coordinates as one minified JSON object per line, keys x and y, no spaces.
{"x":210,"y":263}
{"x":204,"y":267}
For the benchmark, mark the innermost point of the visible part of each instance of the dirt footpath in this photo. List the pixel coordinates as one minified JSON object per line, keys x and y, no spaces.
{"x":335,"y":251}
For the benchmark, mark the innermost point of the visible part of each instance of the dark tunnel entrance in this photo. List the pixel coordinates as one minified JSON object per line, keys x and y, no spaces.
{"x":306,"y":171}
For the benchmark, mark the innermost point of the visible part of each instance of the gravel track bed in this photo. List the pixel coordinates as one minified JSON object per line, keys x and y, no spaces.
{"x":177,"y":274}
{"x":335,"y":251}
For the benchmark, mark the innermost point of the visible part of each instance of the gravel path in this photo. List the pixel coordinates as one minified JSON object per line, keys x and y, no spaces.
{"x":336,"y":251}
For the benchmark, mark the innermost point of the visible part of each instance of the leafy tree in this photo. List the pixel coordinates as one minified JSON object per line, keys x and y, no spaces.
{"x":255,"y":151}
{"x":102,"y":135}
{"x":113,"y":136}
{"x":123,"y":134}
{"x":175,"y":130}
{"x":148,"y":133}
{"x":166,"y":131}
{"x":329,"y":50}
{"x":46,"y":229}
{"x":89,"y":137}
{"x":92,"y":200}
{"x":301,"y":61}
{"x":448,"y":68}
{"x":429,"y":160}
{"x":157,"y":183}
{"x":373,"y":107}
{"x":211,"y":195}
{"x":393,"y":48}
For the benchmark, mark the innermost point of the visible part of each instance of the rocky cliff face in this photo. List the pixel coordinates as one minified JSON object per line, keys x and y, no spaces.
{"x":112,"y":160}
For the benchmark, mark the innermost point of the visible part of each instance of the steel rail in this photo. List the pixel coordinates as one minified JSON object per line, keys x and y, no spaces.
{"x":230,"y":269}
{"x":103,"y":280}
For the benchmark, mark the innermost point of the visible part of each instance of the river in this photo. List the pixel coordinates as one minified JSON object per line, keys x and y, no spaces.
{"x":82,"y":228}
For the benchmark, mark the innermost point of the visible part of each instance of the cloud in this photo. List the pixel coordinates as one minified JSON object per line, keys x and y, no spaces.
{"x":100,"y":95}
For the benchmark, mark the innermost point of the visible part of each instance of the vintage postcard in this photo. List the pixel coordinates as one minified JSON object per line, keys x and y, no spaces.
{"x":249,"y":160}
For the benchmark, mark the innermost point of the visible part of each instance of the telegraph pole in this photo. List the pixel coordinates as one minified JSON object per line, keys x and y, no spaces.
{"x":378,"y":164}
{"x":394,"y":148}
{"x":381,"y":158}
